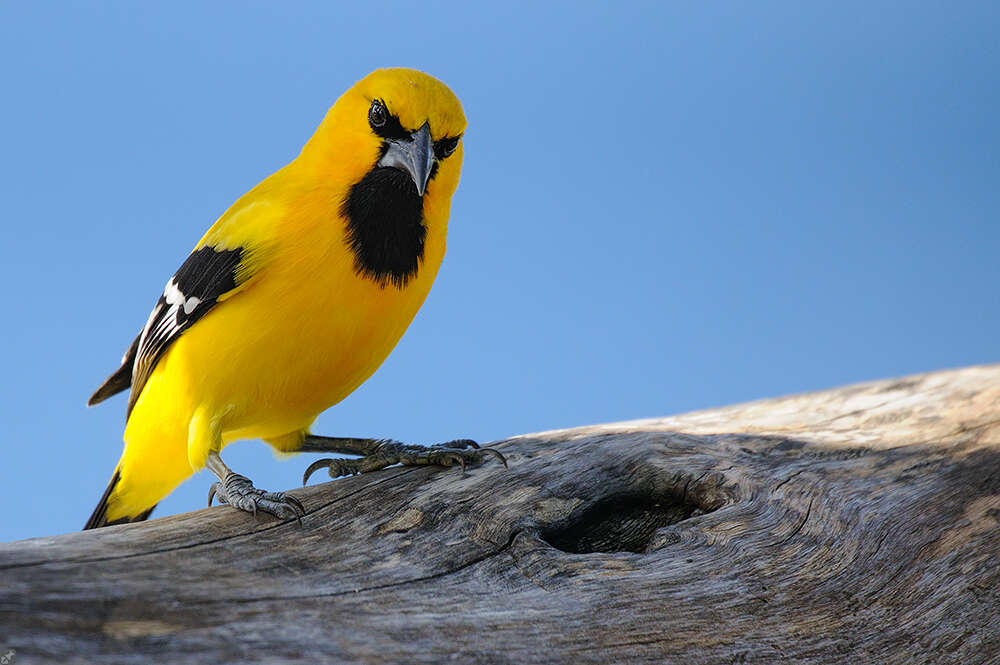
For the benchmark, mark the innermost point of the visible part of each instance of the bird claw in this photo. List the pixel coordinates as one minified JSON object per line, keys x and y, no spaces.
{"x":460,"y":444}
{"x":463,"y":452}
{"x":338,"y":467}
{"x":239,"y":492}
{"x":496,"y":453}
{"x":467,"y":451}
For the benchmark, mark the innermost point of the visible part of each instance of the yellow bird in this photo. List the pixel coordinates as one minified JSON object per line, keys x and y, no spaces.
{"x":292,"y":300}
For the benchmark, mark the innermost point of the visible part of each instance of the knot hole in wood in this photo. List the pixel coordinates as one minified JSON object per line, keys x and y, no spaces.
{"x":627,"y":522}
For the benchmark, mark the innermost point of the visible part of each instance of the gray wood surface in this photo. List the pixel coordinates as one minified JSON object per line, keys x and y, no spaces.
{"x":856,"y":525}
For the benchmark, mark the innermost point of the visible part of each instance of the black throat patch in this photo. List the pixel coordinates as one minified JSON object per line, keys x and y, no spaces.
{"x":385,"y":229}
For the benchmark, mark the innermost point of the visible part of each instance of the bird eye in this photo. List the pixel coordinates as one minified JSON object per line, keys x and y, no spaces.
{"x":444,"y":147}
{"x":377,"y":115}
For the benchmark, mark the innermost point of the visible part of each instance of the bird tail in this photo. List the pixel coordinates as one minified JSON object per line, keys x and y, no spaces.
{"x":99,"y":517}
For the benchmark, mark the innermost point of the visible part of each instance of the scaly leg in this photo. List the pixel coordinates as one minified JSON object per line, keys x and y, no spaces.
{"x":380,"y":453}
{"x":238,"y":491}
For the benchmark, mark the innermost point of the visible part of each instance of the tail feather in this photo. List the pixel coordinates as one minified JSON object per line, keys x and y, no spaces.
{"x":114,"y":384}
{"x":120,"y":380}
{"x":99,"y":517}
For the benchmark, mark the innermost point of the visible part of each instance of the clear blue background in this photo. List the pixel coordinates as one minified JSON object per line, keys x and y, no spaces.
{"x":664,"y":207}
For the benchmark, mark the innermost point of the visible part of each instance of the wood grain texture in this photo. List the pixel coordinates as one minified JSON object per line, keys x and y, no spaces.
{"x":856,"y":525}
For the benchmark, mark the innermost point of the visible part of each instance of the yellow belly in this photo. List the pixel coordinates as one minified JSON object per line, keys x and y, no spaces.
{"x":263,"y":367}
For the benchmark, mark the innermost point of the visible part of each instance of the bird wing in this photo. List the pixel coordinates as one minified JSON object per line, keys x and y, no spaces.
{"x":206,"y":276}
{"x":223,"y":264}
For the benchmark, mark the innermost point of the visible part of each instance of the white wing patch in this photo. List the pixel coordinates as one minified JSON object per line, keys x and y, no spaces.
{"x":195,"y":288}
{"x":172,"y":294}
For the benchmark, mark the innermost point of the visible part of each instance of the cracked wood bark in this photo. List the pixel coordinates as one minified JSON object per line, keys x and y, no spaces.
{"x":857,"y":525}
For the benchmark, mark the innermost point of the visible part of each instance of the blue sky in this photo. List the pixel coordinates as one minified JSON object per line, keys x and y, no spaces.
{"x":664,"y":207}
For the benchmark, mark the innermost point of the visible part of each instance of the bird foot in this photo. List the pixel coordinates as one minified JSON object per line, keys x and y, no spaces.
{"x":239,"y":492}
{"x":460,"y":451}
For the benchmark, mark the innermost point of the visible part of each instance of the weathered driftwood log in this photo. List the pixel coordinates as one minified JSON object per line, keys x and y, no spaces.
{"x":857,"y":525}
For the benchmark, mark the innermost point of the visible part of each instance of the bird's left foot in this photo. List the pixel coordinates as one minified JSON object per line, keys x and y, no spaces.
{"x":238,"y":491}
{"x":386,"y":452}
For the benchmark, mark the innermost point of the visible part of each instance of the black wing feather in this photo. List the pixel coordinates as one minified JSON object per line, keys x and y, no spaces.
{"x":206,"y":275}
{"x":195,"y":288}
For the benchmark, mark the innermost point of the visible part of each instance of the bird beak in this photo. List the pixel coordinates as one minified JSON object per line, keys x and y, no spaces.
{"x":415,"y":155}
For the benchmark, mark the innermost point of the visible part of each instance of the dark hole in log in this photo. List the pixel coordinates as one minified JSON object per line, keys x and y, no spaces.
{"x":623,"y":523}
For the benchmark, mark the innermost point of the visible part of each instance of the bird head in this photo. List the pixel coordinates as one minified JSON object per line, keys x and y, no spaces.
{"x":394,"y":118}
